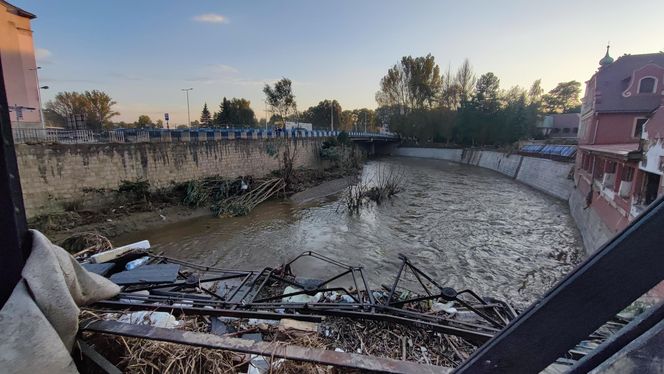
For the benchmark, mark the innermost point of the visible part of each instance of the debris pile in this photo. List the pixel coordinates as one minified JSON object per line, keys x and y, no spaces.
{"x":231,"y":197}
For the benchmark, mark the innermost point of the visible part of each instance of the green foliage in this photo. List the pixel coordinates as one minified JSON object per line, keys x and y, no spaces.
{"x":143,"y":121}
{"x":280,"y":97}
{"x":233,"y":112}
{"x":343,"y":138}
{"x":206,"y":117}
{"x":319,"y":115}
{"x":564,"y":98}
{"x":413,"y":83}
{"x":139,"y":188}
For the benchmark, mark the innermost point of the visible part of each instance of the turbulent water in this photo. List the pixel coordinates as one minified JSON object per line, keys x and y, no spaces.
{"x":466,"y":226}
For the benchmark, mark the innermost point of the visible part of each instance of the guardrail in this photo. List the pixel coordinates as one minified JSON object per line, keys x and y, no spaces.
{"x":22,"y":135}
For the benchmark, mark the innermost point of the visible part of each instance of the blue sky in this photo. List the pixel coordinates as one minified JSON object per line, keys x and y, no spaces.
{"x":143,"y":52}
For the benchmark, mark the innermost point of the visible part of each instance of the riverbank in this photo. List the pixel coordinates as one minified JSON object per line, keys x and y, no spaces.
{"x":131,"y":210}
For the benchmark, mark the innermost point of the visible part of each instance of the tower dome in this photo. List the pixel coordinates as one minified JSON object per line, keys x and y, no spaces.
{"x":606,"y":60}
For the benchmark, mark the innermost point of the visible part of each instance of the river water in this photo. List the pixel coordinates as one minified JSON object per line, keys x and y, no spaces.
{"x":468,"y":227}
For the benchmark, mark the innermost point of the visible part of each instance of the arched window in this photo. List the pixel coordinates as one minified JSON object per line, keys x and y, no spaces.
{"x":647,"y":85}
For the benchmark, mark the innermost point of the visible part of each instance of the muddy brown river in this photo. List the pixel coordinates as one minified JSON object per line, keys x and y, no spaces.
{"x":468,"y":227}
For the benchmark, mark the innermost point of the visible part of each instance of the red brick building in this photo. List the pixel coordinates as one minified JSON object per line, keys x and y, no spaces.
{"x":619,"y":99}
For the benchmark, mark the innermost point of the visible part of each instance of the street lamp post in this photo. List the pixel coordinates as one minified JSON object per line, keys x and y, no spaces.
{"x":186,"y":90}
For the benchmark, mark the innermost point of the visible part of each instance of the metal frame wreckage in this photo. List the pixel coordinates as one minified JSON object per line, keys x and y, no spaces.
{"x":547,"y":332}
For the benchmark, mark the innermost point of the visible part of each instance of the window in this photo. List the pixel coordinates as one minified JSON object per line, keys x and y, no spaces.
{"x":638,"y":127}
{"x":555,"y":131}
{"x":566,"y":130}
{"x":575,"y":130}
{"x":647,"y":85}
{"x":627,"y":174}
{"x":610,"y":167}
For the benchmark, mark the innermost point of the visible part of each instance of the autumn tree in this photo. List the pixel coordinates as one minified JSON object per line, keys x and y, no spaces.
{"x":95,"y":105}
{"x":99,"y":108}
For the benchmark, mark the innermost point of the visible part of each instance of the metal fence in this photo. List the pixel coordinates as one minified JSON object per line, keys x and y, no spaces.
{"x":23,"y":135}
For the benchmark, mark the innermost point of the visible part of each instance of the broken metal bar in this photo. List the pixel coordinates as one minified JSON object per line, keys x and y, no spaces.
{"x":178,"y":310}
{"x":180,"y":283}
{"x":269,"y":349}
{"x":610,"y":279}
{"x":616,"y":342}
{"x":99,"y":360}
{"x":396,"y":280}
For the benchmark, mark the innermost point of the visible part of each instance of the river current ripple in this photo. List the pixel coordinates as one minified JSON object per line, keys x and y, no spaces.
{"x":468,"y":227}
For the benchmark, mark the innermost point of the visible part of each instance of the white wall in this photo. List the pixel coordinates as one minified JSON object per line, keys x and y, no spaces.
{"x":434,"y":153}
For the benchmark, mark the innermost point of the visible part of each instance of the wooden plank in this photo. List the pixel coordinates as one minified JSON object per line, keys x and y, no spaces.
{"x":152,"y":274}
{"x":604,"y":284}
{"x":269,"y":349}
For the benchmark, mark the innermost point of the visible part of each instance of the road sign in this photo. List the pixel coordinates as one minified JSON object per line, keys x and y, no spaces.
{"x":166,"y":116}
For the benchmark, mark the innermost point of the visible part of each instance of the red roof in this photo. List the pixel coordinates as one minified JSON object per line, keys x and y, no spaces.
{"x":623,"y":151}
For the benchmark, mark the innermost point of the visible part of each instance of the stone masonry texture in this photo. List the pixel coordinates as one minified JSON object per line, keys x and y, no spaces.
{"x":57,"y":173}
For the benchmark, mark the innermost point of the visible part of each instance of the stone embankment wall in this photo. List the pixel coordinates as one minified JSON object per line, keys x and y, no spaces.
{"x":53,"y":174}
{"x":548,"y":176}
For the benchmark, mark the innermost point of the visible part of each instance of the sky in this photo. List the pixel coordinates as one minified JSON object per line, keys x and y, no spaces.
{"x":143,"y":53}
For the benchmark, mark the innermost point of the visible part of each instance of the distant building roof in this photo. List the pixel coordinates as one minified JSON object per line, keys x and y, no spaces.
{"x":16,"y":10}
{"x":614,"y":78}
{"x":566,"y":120}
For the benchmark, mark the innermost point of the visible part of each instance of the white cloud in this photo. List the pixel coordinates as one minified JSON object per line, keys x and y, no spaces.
{"x":211,"y":18}
{"x":224,"y":69}
{"x":43,"y":55}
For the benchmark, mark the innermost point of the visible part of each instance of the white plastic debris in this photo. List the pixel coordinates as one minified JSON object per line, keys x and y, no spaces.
{"x":347,"y":299}
{"x":131,"y":265}
{"x":257,"y":321}
{"x":447,"y":307}
{"x":258,"y":365}
{"x":303,"y":298}
{"x":156,"y":319}
{"x":339,"y":350}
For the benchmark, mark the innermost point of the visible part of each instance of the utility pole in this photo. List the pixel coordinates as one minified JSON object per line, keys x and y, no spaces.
{"x":186,"y":90}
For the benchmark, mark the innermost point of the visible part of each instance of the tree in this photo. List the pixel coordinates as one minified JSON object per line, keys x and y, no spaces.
{"x":206,"y":117}
{"x":66,"y":104}
{"x":99,"y":106}
{"x":319,"y":115}
{"x":487,"y":93}
{"x":564,"y":98}
{"x":280,"y":97}
{"x":159,"y":124}
{"x":95,"y":105}
{"x":412,"y":84}
{"x":143,"y":121}
{"x":465,"y":81}
{"x":450,"y":90}
{"x":235,"y":112}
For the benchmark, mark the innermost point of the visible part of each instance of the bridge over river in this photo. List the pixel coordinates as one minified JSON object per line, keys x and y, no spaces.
{"x":468,"y":227}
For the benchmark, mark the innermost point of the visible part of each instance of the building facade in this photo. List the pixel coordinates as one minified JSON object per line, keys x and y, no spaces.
{"x":620,"y":98}
{"x":560,"y":126}
{"x":19,"y":66}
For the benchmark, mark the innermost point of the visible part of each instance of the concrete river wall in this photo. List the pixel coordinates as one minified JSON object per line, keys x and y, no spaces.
{"x":551,"y":177}
{"x":54,"y":174}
